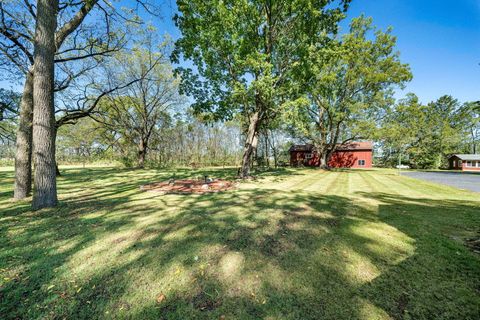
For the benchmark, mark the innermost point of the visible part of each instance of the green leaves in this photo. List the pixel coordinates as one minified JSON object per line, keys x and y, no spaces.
{"x":349,"y":84}
{"x":427,"y":133}
{"x":246,"y":52}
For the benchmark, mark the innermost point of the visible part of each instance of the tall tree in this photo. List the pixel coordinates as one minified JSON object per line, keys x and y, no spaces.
{"x":17,"y":23}
{"x":139,"y":110}
{"x":45,"y":192}
{"x":470,"y":115}
{"x":245,"y":53}
{"x":401,"y":128}
{"x":347,"y":87}
{"x":17,"y":41}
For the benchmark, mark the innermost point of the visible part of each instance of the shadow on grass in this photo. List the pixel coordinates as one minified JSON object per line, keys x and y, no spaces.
{"x":246,"y":254}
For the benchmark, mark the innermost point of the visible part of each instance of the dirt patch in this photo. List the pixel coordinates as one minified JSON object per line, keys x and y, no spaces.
{"x":187,"y":186}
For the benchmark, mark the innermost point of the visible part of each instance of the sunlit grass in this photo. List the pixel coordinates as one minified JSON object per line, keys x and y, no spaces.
{"x":294,"y":244}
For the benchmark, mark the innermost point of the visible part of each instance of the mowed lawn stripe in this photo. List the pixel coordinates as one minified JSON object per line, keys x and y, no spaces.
{"x":371,"y":183}
{"x":394,"y":182}
{"x":307,"y":180}
{"x":322,"y":183}
{"x":340,"y":185}
{"x":361,"y":184}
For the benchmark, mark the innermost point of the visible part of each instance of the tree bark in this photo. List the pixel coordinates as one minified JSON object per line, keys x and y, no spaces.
{"x":250,"y":145}
{"x":23,"y":153}
{"x":142,"y":154}
{"x":323,"y":161}
{"x":324,"y":157}
{"x":44,"y":126}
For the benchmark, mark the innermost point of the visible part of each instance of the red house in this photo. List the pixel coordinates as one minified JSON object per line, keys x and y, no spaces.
{"x":350,"y":155}
{"x":465,"y":162}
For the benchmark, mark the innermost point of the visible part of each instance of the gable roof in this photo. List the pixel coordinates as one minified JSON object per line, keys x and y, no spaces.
{"x":346,"y":147}
{"x":356,"y":146}
{"x":467,"y":157}
{"x":301,"y":147}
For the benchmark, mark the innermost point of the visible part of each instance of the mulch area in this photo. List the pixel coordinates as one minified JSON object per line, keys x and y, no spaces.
{"x":187,"y":186}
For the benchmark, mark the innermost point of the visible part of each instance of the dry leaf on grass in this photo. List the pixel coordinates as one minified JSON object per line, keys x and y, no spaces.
{"x":161,"y":298}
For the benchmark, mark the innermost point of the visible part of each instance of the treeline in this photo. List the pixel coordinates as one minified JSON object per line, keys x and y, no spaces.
{"x":187,"y":143}
{"x":424,"y":135}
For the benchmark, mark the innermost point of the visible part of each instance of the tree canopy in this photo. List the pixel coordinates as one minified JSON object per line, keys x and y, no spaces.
{"x":351,"y":85}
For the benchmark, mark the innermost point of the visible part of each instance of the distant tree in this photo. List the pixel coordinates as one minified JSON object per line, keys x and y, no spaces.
{"x":9,"y":105}
{"x":245,"y":55}
{"x":427,"y":134}
{"x":350,"y":86}
{"x":138,"y":111}
{"x":401,"y":128}
{"x":81,"y":142}
{"x":470,"y":116}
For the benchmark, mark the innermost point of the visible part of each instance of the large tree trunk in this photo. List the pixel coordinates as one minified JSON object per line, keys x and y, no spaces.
{"x":23,"y":153}
{"x":44,"y":127}
{"x":323,"y":161}
{"x":142,"y":154}
{"x":324,"y":155}
{"x":250,"y":145}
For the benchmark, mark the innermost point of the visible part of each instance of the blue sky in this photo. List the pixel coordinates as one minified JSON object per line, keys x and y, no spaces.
{"x":440,"y":39}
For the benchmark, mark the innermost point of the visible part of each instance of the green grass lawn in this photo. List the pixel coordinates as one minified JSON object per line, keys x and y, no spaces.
{"x":295,"y":244}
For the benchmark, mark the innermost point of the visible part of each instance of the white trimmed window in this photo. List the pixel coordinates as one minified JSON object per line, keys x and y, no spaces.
{"x":361,"y":162}
{"x":469,"y":164}
{"x":308,"y":156}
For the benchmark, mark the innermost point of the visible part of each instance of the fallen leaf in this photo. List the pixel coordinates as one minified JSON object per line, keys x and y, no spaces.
{"x":50,"y":286}
{"x":161,"y":298}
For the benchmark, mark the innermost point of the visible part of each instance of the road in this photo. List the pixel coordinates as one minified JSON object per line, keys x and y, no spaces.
{"x":461,"y":180}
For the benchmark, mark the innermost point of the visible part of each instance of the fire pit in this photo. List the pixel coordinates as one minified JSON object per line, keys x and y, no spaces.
{"x":187,"y":186}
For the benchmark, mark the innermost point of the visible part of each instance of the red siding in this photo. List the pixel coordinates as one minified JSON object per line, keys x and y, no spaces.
{"x":350,"y":159}
{"x":339,"y":159}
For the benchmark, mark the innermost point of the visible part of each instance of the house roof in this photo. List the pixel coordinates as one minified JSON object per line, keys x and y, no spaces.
{"x":356,"y":146}
{"x":467,"y":157}
{"x":345,"y":147}
{"x":302,"y":147}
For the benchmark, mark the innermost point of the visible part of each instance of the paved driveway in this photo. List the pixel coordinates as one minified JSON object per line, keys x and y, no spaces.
{"x":467,"y":181}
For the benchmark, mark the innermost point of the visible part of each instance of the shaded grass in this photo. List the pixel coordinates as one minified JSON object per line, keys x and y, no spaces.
{"x":296,"y":244}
